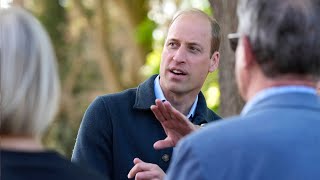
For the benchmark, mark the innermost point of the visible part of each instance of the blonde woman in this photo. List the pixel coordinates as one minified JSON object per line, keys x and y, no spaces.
{"x":29,"y":93}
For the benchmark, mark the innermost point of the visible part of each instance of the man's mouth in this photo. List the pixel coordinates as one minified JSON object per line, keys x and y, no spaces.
{"x":177,"y":72}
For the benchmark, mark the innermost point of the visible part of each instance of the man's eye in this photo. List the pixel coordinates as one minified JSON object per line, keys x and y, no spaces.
{"x":171,"y":44}
{"x":194,"y":49}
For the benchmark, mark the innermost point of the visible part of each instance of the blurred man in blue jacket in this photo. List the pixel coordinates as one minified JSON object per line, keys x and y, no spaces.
{"x":277,"y":69}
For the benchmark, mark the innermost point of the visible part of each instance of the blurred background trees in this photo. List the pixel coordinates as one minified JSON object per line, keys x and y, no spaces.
{"x":105,"y":46}
{"x":230,"y":101}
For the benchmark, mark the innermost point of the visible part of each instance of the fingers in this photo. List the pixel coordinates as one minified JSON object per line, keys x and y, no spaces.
{"x":137,"y":160}
{"x":138,"y":167}
{"x":166,"y":109}
{"x":163,"y":111}
{"x":157,"y":113}
{"x":142,"y":170}
{"x":171,"y":119}
{"x":162,"y":144}
{"x":175,"y":124}
{"x":147,"y":175}
{"x":175,"y":113}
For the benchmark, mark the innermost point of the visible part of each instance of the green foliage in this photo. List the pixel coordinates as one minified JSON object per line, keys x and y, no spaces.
{"x":152,"y":64}
{"x":208,"y":11}
{"x":144,"y":32}
{"x":211,"y":91}
{"x":53,"y":17}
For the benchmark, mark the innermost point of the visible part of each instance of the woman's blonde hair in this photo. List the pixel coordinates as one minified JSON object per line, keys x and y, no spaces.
{"x":29,"y":81}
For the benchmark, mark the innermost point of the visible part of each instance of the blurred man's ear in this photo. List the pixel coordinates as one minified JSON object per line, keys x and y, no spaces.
{"x":214,"y":61}
{"x":249,"y":57}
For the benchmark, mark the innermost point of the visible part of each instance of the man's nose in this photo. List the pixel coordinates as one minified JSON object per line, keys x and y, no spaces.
{"x":180,"y":55}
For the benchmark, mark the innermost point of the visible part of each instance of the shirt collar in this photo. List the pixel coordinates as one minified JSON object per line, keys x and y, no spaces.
{"x":159,"y":95}
{"x":264,"y":94}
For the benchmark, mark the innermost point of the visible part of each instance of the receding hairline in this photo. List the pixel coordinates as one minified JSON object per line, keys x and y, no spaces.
{"x":191,"y":11}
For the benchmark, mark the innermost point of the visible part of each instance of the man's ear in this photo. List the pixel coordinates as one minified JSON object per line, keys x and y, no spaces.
{"x":249,"y":57}
{"x":214,"y":61}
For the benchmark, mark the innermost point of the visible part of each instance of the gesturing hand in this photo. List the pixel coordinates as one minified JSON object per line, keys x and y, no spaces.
{"x":145,"y":171}
{"x":175,"y":124}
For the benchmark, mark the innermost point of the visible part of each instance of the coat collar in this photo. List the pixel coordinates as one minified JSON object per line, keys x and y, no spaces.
{"x":145,"y":94}
{"x":291,"y":99}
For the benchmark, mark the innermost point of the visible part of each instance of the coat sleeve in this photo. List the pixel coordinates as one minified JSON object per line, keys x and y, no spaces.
{"x":185,"y":164}
{"x":93,"y":147}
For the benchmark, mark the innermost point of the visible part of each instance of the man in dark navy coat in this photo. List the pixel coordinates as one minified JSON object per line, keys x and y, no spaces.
{"x":118,"y":131}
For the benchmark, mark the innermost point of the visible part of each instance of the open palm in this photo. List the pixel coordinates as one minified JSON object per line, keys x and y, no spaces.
{"x":175,"y":124}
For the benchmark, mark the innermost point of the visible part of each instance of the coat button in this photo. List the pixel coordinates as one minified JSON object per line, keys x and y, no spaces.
{"x":165,"y":157}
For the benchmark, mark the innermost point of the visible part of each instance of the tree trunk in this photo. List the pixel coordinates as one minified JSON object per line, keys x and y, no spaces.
{"x":230,"y":101}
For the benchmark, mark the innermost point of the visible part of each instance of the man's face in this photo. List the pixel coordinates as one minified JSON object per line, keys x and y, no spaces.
{"x":186,"y":59}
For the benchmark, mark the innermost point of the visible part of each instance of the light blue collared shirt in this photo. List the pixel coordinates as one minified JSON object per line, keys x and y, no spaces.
{"x":159,"y":95}
{"x":275,"y":91}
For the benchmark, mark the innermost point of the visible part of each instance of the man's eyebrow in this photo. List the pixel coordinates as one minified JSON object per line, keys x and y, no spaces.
{"x":194,"y":44}
{"x":173,"y":39}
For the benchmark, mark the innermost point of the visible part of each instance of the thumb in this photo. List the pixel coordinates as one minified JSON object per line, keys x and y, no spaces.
{"x":162,"y":144}
{"x":137,"y":160}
